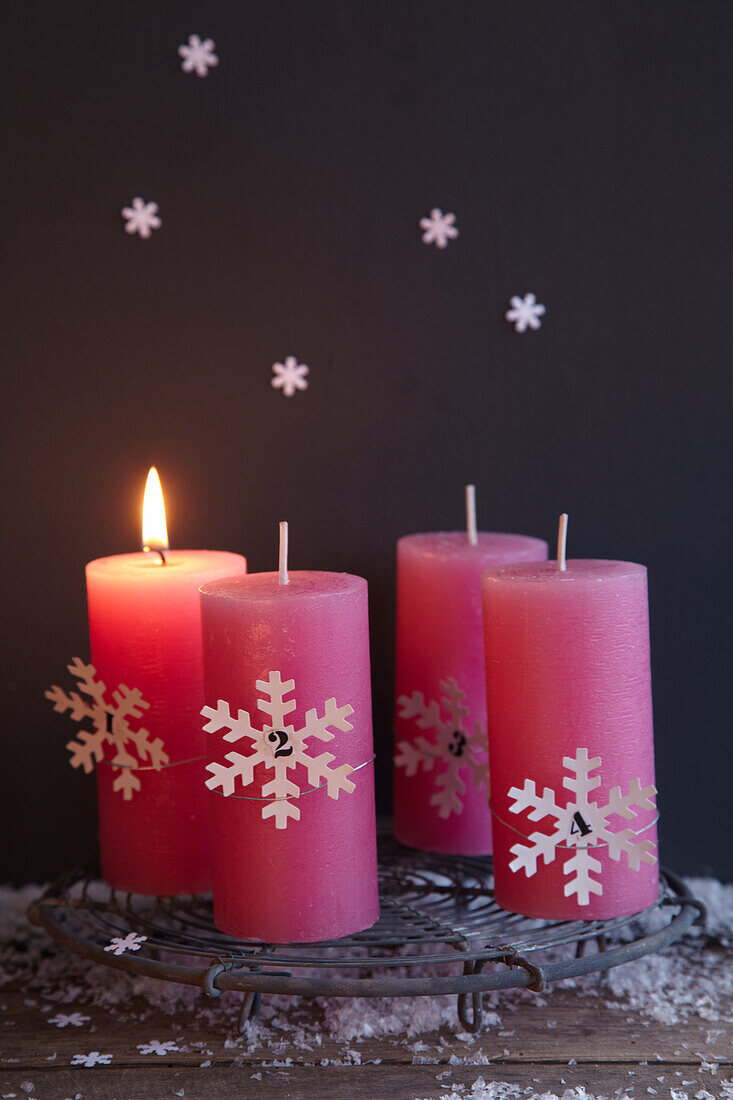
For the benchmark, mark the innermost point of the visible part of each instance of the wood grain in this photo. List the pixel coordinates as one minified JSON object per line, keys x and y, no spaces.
{"x":613,"y":1047}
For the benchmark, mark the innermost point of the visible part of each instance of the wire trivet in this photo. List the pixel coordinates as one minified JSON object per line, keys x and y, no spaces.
{"x":440,"y":931}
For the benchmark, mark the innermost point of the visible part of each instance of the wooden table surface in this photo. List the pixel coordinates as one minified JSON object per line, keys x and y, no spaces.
{"x":553,"y":1042}
{"x":602,"y":1032}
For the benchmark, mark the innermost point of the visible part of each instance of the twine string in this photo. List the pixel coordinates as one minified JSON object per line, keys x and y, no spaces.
{"x":245,"y":798}
{"x":152,"y":767}
{"x":286,"y":797}
{"x":571,"y":847}
{"x":524,"y":836}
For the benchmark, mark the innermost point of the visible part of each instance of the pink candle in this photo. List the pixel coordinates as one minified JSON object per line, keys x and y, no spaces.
{"x":441,"y":796}
{"x":145,"y":633}
{"x":286,"y":669}
{"x":571,"y":754}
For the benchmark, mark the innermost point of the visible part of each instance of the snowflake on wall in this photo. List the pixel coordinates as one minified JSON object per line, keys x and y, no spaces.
{"x":439,"y":228}
{"x":110,"y":727}
{"x":525,"y":312}
{"x":119,"y":945}
{"x":198,"y":56}
{"x":581,"y":825}
{"x":141,"y":217}
{"x":93,"y":1058}
{"x":455,"y":745}
{"x":289,"y":376}
{"x":279,"y":747}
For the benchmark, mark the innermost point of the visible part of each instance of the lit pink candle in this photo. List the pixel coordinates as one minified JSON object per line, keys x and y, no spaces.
{"x":571,"y":754}
{"x":286,"y":667}
{"x":145,"y":633}
{"x":441,"y":795}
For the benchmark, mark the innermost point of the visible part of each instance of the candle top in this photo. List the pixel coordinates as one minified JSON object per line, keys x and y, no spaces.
{"x":149,"y":568}
{"x":579,"y":571}
{"x":445,"y":545}
{"x":265,"y":588}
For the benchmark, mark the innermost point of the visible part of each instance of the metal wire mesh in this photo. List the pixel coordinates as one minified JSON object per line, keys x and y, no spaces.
{"x":439,"y":929}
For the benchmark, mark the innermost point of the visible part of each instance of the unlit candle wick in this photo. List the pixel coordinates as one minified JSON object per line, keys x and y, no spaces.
{"x":284,"y":553}
{"x":562,"y":538}
{"x":471,"y":515}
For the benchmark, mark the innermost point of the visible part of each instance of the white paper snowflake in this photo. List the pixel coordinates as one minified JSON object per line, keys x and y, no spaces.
{"x":525,"y":312}
{"x":74,"y":1019}
{"x":198,"y":56}
{"x":118,"y":945}
{"x":93,"y":1058}
{"x":279,"y":747}
{"x":289,"y":376}
{"x":456,"y":744}
{"x":141,"y":217}
{"x":581,"y":825}
{"x":439,"y":228}
{"x":155,"y":1047}
{"x":110,"y":722}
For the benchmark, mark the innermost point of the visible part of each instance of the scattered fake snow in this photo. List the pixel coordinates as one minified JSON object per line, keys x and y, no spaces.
{"x":682,"y":983}
{"x":502,"y":1090}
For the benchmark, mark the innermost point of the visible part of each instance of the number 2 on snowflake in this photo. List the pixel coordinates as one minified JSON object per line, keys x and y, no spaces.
{"x":279,"y":747}
{"x":280,"y":738}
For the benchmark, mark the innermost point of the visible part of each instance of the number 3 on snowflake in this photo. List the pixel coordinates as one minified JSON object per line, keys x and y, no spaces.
{"x":279,"y":747}
{"x":454,"y":744}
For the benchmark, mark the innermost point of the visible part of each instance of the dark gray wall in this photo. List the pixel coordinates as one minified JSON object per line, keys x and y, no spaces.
{"x":584,"y":147}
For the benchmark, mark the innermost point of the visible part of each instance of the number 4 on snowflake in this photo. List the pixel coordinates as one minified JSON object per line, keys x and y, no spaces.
{"x":279,"y":746}
{"x":581,"y":825}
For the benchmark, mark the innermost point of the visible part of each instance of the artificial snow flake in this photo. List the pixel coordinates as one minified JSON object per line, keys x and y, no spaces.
{"x":75,"y":1019}
{"x":110,"y":722}
{"x":525,"y":312}
{"x":456,"y":745}
{"x":289,"y":376}
{"x":198,"y":56}
{"x":279,"y":747}
{"x":118,"y":945}
{"x":93,"y":1058}
{"x":581,"y":825}
{"x":156,"y":1047}
{"x":439,"y":228}
{"x":141,"y":217}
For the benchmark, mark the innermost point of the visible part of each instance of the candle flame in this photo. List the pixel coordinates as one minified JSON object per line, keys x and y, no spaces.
{"x":155,"y":533}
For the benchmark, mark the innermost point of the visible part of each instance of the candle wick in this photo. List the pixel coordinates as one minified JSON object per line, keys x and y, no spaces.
{"x":284,"y":553}
{"x":471,"y":515}
{"x":562,"y":538}
{"x":156,"y":550}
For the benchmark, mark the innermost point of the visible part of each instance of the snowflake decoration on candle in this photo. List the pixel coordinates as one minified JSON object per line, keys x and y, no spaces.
{"x":581,"y":825}
{"x":525,"y":312}
{"x":455,"y":744}
{"x":279,"y":747}
{"x":198,"y":56}
{"x":141,"y":217}
{"x":439,"y":228}
{"x":110,"y":727}
{"x":289,"y":376}
{"x":119,"y":945}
